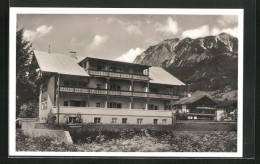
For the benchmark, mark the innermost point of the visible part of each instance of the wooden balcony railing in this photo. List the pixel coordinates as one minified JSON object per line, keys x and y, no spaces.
{"x":117,"y":74}
{"x":201,"y":114}
{"x":116,"y":93}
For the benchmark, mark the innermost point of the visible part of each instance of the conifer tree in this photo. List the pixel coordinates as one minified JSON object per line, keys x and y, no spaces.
{"x":26,"y":78}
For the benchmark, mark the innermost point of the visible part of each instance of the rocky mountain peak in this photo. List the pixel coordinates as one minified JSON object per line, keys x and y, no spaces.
{"x":207,"y":63}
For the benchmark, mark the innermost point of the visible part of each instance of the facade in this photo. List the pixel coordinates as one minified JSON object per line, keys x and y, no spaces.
{"x":104,"y":91}
{"x":227,"y":111}
{"x":199,"y":107}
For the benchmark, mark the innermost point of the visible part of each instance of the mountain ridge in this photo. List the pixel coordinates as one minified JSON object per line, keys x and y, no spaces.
{"x":206,"y":63}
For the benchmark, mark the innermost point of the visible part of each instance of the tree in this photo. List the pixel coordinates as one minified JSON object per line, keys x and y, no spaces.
{"x":26,"y":78}
{"x":181,"y":116}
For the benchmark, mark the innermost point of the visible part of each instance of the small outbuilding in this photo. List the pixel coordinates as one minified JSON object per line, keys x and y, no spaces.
{"x":227,"y":111}
{"x":199,"y":107}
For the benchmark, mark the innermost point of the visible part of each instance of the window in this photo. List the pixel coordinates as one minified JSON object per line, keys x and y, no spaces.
{"x":66,"y":83}
{"x":164,"y":121}
{"x":118,"y":105}
{"x":98,"y":86}
{"x":83,"y":103}
{"x":150,"y":106}
{"x":97,"y":120}
{"x":72,"y":119}
{"x":44,"y":88}
{"x":44,"y":105}
{"x":154,"y":90}
{"x":65,"y":103}
{"x":111,"y":105}
{"x":168,"y":106}
{"x":139,"y":121}
{"x":114,"y":120}
{"x":115,"y":87}
{"x":99,"y":67}
{"x":98,"y":105}
{"x":114,"y":105}
{"x":112,"y":69}
{"x":73,"y":83}
{"x":155,"y":121}
{"x":124,"y":120}
{"x":77,"y":103}
{"x":83,"y":84}
{"x":156,"y":107}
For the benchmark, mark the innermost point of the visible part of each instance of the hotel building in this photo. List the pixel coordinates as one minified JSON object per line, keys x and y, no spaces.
{"x":105,"y":91}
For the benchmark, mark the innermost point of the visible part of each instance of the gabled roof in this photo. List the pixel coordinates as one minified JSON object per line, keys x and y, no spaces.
{"x":225,"y":104}
{"x":59,"y":63}
{"x":64,"y":64}
{"x":159,"y":76}
{"x":113,"y":61}
{"x":192,"y":99}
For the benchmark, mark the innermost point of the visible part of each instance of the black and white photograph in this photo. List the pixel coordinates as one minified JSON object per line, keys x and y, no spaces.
{"x":126,"y":82}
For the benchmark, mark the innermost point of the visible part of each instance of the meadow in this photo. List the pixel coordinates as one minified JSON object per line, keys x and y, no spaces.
{"x":195,"y":137}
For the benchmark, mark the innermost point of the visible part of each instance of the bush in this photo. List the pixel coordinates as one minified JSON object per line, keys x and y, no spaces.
{"x":92,"y":133}
{"x":181,"y":116}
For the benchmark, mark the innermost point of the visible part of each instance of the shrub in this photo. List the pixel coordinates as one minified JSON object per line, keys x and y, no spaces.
{"x":181,"y":116}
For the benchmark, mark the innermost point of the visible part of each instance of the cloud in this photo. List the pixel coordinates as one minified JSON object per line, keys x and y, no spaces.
{"x":206,"y":31}
{"x":231,"y":31}
{"x":198,"y":32}
{"x":40,"y":31}
{"x":226,"y":20}
{"x":133,"y":27}
{"x":130,"y":55}
{"x":171,"y":27}
{"x":74,"y":40}
{"x":148,"y":21}
{"x":97,"y":41}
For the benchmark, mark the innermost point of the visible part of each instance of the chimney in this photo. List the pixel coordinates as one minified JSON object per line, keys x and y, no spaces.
{"x":73,"y":54}
{"x":49,"y":48}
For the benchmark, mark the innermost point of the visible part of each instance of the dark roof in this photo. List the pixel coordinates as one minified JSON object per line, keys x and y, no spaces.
{"x":114,"y":61}
{"x":227,"y":103}
{"x":160,"y":76}
{"x":192,"y":99}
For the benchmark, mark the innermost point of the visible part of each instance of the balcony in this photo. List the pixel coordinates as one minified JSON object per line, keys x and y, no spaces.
{"x":96,"y":91}
{"x":202,"y":114}
{"x":117,"y":74}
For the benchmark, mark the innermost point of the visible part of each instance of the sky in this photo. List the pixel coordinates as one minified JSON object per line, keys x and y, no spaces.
{"x":117,"y":37}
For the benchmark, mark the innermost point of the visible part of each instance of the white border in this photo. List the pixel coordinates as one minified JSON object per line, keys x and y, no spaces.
{"x":12,"y":77}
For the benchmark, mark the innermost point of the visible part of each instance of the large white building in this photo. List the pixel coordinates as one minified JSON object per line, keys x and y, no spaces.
{"x":104,"y":91}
